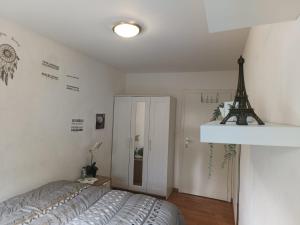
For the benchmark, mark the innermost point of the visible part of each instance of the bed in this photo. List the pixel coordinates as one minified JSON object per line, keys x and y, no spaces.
{"x":72,"y":203}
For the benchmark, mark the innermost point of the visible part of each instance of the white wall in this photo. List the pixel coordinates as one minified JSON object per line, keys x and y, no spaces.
{"x":175,"y":84}
{"x":271,"y":176}
{"x":36,"y":145}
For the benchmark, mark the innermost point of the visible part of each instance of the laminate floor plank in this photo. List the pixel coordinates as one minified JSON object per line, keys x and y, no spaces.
{"x":203,"y":211}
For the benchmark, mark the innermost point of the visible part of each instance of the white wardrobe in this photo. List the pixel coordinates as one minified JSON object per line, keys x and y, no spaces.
{"x":143,"y":144}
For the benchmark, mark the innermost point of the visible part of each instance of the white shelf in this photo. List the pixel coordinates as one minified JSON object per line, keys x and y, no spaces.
{"x":268,"y":135}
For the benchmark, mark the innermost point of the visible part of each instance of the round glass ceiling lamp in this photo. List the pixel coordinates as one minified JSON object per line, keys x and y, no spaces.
{"x":127,"y":30}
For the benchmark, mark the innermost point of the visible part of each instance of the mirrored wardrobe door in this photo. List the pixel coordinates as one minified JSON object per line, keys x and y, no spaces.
{"x":139,"y":143}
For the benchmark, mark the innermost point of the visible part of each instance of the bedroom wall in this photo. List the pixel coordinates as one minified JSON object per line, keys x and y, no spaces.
{"x":36,"y":144}
{"x":270,"y":176}
{"x":175,"y":84}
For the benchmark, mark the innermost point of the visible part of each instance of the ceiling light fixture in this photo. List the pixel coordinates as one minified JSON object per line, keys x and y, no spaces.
{"x":127,"y":30}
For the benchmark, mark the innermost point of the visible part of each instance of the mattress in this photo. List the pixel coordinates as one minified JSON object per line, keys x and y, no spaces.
{"x":72,"y":203}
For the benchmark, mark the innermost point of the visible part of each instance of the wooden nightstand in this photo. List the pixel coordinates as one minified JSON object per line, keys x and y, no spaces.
{"x":102,"y":181}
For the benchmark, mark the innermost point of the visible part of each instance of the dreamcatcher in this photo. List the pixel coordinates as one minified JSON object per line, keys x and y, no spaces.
{"x":8,"y":62}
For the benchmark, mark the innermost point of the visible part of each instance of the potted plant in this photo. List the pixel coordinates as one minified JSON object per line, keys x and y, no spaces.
{"x":91,"y":170}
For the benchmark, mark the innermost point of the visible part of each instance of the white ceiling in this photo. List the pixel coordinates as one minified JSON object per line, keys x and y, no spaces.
{"x":234,"y":14}
{"x":175,"y":36}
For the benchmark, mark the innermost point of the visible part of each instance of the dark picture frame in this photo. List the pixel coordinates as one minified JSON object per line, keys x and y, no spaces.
{"x":100,"y":121}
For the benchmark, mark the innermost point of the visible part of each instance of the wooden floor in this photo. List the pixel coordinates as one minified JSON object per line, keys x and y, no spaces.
{"x":203,"y":211}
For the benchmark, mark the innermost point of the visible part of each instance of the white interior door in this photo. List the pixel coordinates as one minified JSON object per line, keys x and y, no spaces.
{"x":195,"y":174}
{"x":121,"y":142}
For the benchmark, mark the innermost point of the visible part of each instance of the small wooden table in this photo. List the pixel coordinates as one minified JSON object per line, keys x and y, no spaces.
{"x":102,"y":181}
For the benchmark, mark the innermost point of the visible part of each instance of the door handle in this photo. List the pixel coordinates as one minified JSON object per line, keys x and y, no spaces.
{"x":187,"y":141}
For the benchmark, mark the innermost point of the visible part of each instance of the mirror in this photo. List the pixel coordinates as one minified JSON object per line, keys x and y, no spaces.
{"x":139,"y":143}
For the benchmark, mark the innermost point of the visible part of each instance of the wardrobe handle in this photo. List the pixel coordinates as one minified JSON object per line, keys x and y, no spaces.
{"x":150,"y":145}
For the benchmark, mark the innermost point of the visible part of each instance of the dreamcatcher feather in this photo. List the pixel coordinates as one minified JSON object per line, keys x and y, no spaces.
{"x":8,"y":62}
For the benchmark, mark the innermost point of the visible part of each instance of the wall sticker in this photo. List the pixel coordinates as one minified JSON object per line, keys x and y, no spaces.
{"x":77,"y":125}
{"x":15,"y":41}
{"x":50,"y":65}
{"x":72,"y":77}
{"x":8,"y":62}
{"x":72,"y":83}
{"x":47,"y":75}
{"x":72,"y":88}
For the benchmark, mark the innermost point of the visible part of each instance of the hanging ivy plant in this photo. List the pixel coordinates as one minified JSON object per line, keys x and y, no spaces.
{"x":210,"y":160}
{"x":217,"y":113}
{"x":229,"y":149}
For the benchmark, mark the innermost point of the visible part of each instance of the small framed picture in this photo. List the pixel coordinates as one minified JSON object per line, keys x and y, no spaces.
{"x":100,"y":121}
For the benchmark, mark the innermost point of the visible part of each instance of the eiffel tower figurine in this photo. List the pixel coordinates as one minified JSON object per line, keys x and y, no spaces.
{"x":241,"y":106}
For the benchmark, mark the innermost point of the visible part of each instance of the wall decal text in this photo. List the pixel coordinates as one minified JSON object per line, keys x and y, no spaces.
{"x":77,"y":125}
{"x":72,"y":88}
{"x":47,"y":75}
{"x":73,"y":77}
{"x":50,"y":65}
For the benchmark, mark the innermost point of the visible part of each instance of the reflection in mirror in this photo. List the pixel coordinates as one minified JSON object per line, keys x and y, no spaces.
{"x":139,"y":143}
